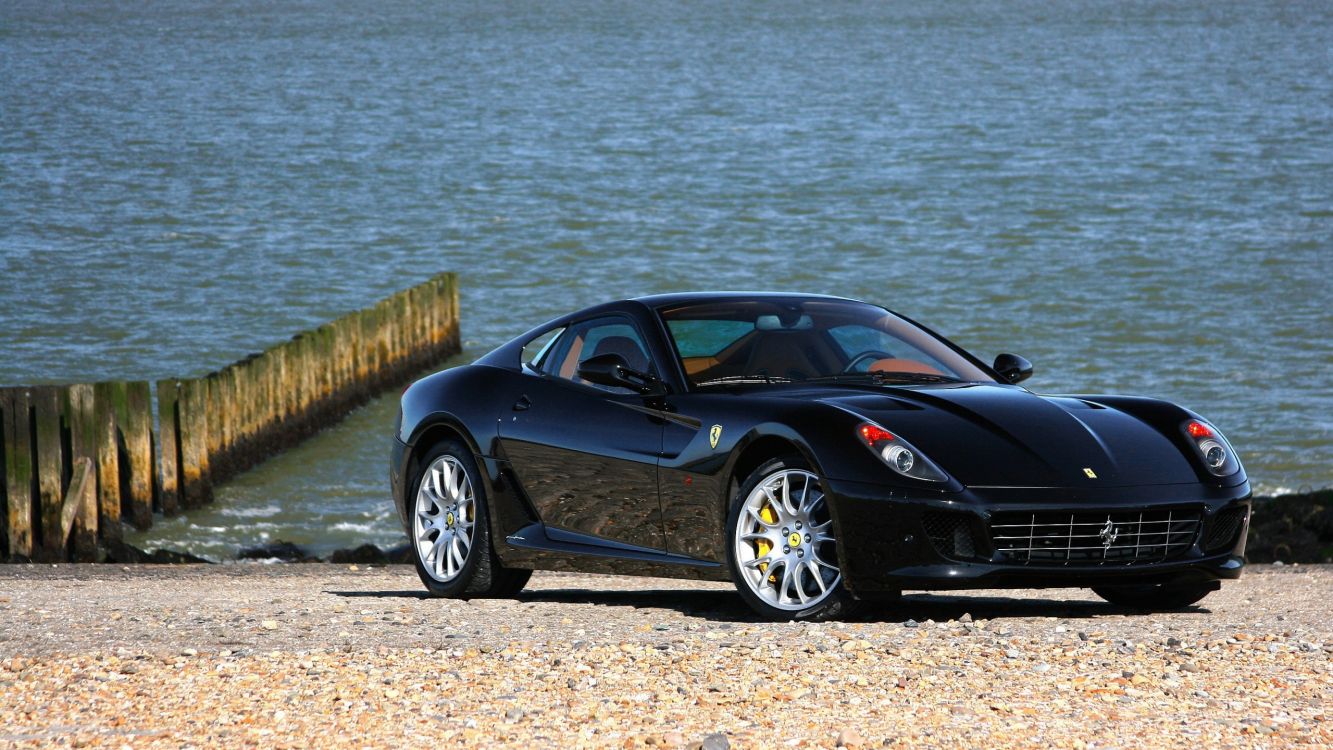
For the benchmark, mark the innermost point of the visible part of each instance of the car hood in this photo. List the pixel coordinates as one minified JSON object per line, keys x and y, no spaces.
{"x":1006,"y":436}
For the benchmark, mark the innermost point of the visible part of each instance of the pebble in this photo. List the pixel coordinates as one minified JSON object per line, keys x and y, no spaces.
{"x":850,"y":738}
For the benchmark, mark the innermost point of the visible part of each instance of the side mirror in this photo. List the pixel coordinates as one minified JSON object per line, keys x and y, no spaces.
{"x":1013,"y":368}
{"x":614,"y":371}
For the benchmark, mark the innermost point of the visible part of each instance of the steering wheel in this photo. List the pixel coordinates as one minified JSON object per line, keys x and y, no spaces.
{"x":872,"y":355}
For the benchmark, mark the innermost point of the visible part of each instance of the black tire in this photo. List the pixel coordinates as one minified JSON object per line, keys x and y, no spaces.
{"x":1155,"y":597}
{"x":836,"y":603}
{"x":481,"y":574}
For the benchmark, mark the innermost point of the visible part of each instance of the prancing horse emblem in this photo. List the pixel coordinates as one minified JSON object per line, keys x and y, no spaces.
{"x":714,"y":435}
{"x":1090,"y":473}
{"x":1108,"y":534}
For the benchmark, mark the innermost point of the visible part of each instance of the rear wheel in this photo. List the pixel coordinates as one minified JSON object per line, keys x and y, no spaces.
{"x":1155,"y":597}
{"x":451,"y":541}
{"x":781,"y":546}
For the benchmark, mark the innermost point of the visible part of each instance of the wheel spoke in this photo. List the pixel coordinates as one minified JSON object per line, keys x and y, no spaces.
{"x":819,"y":560}
{"x":813,"y":568}
{"x":759,"y":518}
{"x":455,"y":554}
{"x":439,"y":556}
{"x":815,"y":504}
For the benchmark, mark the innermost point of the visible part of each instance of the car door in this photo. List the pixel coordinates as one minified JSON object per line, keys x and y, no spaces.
{"x":586,"y":455}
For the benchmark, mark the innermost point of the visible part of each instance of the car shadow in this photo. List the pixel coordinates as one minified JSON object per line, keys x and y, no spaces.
{"x":726,"y":606}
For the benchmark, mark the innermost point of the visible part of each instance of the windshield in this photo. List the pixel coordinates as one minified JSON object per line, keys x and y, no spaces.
{"x":794,"y":339}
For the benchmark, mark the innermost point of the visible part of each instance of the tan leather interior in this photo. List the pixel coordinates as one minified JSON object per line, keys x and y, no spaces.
{"x":903,"y":365}
{"x":696,"y":365}
{"x":570,"y":367}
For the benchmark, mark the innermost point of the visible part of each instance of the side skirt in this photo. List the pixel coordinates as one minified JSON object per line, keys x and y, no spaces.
{"x":541,"y":548}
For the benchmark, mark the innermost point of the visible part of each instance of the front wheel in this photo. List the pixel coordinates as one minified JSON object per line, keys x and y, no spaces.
{"x":1155,"y":597}
{"x":781,"y":545}
{"x":451,"y":541}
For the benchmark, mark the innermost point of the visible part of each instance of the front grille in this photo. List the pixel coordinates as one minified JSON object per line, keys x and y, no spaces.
{"x":1224,"y":529}
{"x":1092,"y":537}
{"x":950,"y":534}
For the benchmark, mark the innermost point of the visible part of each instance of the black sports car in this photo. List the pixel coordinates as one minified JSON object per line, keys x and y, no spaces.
{"x":816,"y":451}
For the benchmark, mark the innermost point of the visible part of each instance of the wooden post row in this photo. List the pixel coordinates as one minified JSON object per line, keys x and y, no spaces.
{"x":210,"y":427}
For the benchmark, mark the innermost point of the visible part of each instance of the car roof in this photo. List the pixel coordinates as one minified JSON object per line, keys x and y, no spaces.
{"x":688,"y":298}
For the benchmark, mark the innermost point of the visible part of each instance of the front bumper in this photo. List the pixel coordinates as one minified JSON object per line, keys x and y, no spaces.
{"x":885,"y":545}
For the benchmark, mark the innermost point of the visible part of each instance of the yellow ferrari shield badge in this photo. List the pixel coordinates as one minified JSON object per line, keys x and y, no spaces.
{"x":1091,"y":474}
{"x":714,"y":435}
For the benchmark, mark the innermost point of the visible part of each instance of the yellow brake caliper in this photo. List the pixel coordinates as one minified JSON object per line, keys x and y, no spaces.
{"x":761,"y":545}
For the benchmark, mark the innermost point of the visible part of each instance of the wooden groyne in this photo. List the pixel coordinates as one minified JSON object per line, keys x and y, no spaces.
{"x":79,"y":459}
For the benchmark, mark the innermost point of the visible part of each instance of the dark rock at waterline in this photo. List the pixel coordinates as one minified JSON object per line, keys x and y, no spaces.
{"x":279,"y":550}
{"x":128,"y":554}
{"x":369,"y":554}
{"x":366,"y":554}
{"x":1292,"y":528}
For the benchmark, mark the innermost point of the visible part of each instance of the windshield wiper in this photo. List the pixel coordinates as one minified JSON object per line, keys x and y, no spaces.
{"x":882,"y":378}
{"x":756,"y":378}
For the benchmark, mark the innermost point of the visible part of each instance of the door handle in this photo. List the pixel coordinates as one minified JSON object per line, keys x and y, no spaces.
{"x":522,"y":403}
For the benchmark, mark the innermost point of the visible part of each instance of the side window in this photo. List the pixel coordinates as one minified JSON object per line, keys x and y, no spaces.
{"x":535,"y":350}
{"x":609,"y":335}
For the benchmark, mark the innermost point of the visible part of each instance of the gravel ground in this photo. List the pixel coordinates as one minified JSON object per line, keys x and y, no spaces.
{"x":336,"y":655}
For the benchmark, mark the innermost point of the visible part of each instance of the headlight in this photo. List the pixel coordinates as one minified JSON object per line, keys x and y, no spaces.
{"x":1213,"y":449}
{"x":899,"y":454}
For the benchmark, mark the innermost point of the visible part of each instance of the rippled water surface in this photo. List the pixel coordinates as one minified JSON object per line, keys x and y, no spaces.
{"x":1138,"y":196}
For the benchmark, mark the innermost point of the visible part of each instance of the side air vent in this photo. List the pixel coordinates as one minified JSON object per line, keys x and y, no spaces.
{"x":1224,"y":530}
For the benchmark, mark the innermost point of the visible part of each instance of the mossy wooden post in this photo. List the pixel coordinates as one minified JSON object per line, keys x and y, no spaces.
{"x":327,"y":366}
{"x":47,"y":403}
{"x":110,"y":399}
{"x":309,"y":387}
{"x":244,"y":394}
{"x":225,"y":404}
{"x":215,"y":415}
{"x":168,"y":448}
{"x":136,"y":429}
{"x":195,"y":489}
{"x":81,"y":413}
{"x":18,"y":473}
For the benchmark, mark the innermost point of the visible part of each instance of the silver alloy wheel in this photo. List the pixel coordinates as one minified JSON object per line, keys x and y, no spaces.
{"x":444,"y":518}
{"x":784,"y":542}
